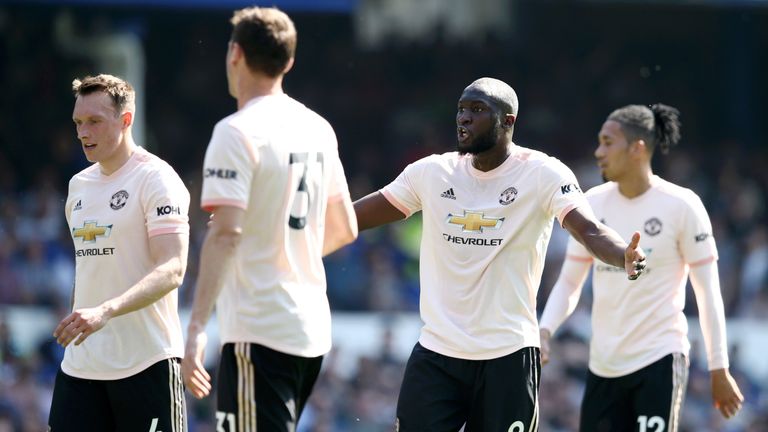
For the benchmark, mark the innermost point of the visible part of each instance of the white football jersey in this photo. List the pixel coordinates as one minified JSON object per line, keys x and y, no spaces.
{"x":111,"y":219}
{"x":279,"y":161}
{"x":484,"y":238}
{"x":635,"y":323}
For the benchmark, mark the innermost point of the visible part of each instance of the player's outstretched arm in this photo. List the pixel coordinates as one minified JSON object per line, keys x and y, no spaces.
{"x":169,"y":254}
{"x":216,"y":259}
{"x":374,"y":209}
{"x":604,"y":243}
{"x":340,"y":225}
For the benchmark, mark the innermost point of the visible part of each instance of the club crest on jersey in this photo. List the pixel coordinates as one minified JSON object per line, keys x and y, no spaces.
{"x":118,"y":200}
{"x":509,"y":195}
{"x":474,"y":221}
{"x":652,"y":226}
{"x":91,"y":230}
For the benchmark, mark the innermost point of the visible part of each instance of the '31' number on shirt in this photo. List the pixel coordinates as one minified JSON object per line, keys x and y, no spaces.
{"x":303,"y":199}
{"x":221,"y":417}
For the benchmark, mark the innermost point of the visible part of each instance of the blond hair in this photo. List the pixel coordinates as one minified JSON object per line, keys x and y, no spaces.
{"x":122,"y":94}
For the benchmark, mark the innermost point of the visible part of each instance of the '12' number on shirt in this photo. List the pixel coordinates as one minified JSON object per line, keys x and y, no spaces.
{"x":655,"y":422}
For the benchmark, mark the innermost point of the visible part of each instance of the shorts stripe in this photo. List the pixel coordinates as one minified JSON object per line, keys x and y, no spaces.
{"x":176,"y":396}
{"x":180,"y":425}
{"x":246,"y":407}
{"x":679,"y":382}
{"x":534,"y":427}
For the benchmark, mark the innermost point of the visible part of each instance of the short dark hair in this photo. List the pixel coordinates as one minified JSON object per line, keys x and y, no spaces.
{"x":267,"y":37}
{"x":122,"y":94}
{"x":658,"y":125}
{"x":499,"y":91}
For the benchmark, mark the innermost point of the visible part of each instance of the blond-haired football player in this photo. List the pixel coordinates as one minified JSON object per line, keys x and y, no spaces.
{"x":127,"y":215}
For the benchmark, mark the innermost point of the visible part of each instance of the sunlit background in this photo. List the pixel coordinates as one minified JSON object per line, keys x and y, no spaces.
{"x":387,"y":74}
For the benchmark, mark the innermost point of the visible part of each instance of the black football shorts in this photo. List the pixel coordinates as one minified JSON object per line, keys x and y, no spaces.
{"x":441,"y":393}
{"x":648,"y":400}
{"x":150,"y":401}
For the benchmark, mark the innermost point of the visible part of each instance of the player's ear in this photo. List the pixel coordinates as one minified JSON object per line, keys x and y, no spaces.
{"x":509,"y":120}
{"x":288,"y":65}
{"x":127,"y":118}
{"x":234,"y":52}
{"x":638,"y":147}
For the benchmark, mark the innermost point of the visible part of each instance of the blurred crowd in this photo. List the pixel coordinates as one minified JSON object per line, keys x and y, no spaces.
{"x":389,"y":106}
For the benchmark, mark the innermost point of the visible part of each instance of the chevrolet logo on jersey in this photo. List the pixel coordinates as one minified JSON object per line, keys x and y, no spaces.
{"x":90,"y":231}
{"x":474,"y":221}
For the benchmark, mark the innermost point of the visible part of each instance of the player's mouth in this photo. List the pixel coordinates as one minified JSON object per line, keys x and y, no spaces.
{"x":462,"y":134}
{"x":89,"y":147}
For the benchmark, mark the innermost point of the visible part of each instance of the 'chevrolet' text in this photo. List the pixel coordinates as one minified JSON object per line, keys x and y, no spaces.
{"x":95,"y":252}
{"x":472,"y":241}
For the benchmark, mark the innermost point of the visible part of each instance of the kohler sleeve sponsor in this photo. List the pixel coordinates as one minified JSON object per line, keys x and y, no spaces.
{"x":169,"y":209}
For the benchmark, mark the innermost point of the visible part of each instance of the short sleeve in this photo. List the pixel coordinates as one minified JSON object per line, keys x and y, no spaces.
{"x":166,"y":204}
{"x":403,"y":192}
{"x":227,"y":169}
{"x":560,"y":185}
{"x":68,"y":204}
{"x":338,"y":188}
{"x":696,"y":242}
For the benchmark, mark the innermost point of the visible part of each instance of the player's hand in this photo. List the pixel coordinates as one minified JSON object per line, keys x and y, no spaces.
{"x":726,"y":395}
{"x":196,"y":378}
{"x":80,"y":324}
{"x":545,"y":336}
{"x":634,"y":258}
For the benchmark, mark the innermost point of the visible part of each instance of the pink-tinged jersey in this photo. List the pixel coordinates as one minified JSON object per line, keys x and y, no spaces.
{"x":111,"y":219}
{"x":635,"y":323}
{"x":279,"y":161}
{"x":484,"y":239}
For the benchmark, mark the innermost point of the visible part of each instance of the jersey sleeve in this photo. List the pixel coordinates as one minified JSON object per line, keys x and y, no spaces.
{"x":560,"y":185}
{"x":228,"y":169}
{"x":166,"y":204}
{"x":68,"y":204}
{"x":565,"y":294}
{"x":338,"y":189}
{"x":404,"y":191}
{"x":696,"y":242}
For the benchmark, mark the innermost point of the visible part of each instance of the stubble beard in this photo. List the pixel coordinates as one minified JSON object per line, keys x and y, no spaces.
{"x":482,"y":143}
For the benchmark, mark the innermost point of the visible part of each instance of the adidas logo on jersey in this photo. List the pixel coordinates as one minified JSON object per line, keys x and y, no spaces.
{"x":78,"y":206}
{"x":448,"y":194}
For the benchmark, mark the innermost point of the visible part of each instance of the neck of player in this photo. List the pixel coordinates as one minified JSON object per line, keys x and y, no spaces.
{"x":492,"y":158}
{"x":251,"y":86}
{"x":635,"y":183}
{"x":120,"y":156}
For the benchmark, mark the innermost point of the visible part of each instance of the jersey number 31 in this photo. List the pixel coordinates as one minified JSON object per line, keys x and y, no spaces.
{"x":302,"y":200}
